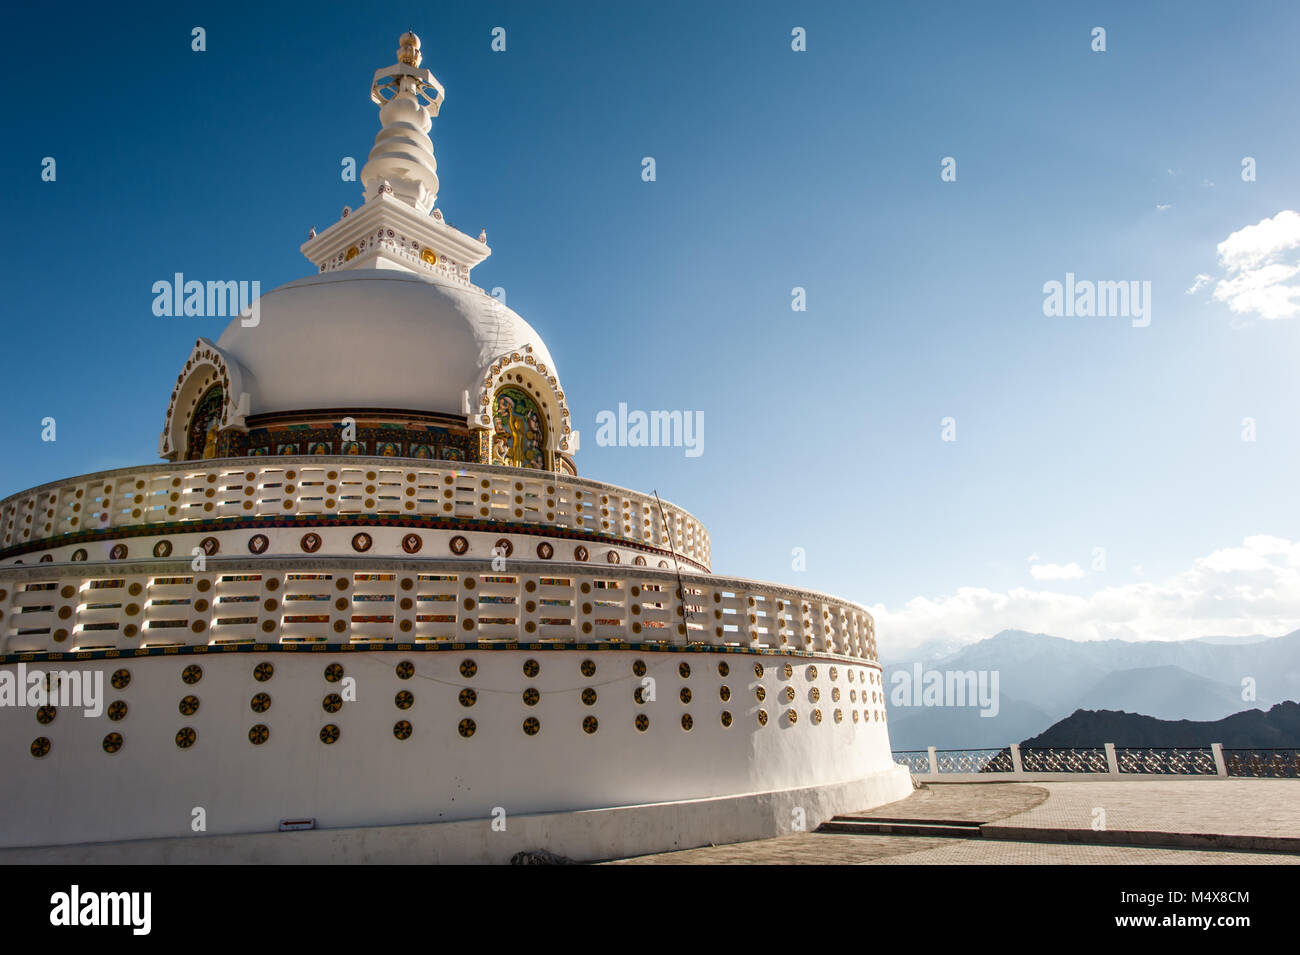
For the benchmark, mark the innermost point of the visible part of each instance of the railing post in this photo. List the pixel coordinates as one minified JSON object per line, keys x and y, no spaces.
{"x":934,"y":761}
{"x":1017,"y":766}
{"x":1220,"y":767}
{"x":1112,"y":762}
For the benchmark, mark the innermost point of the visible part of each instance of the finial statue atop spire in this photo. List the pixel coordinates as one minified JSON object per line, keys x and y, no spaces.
{"x":409,"y":97}
{"x":409,"y":51}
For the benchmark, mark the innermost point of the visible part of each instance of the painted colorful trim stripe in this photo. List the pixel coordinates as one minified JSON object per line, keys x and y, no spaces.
{"x":360,"y":520}
{"x":43,"y":656}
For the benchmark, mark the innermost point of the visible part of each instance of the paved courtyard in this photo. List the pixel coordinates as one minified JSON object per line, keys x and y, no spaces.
{"x":1240,"y":810}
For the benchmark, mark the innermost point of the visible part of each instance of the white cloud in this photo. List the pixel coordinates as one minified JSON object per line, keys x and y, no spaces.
{"x":1247,"y":589}
{"x":1258,"y":244}
{"x":1162,"y":208}
{"x":1261,"y":261}
{"x":1202,"y":280}
{"x":1056,"y":571}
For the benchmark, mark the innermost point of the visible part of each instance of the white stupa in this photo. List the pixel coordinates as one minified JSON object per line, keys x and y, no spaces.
{"x":367,"y":593}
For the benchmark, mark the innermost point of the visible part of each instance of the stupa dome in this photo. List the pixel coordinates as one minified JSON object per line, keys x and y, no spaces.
{"x":374,"y":339}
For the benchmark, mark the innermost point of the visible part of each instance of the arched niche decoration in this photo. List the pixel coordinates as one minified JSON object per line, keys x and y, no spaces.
{"x":205,"y":425}
{"x":521,"y":370}
{"x":519,"y":431}
{"x":206,"y":370}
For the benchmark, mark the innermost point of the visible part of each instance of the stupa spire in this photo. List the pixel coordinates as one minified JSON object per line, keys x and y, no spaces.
{"x":402,"y":158}
{"x":397,"y":226}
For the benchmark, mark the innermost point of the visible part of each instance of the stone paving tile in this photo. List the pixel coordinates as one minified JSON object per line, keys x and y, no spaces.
{"x":997,"y":852}
{"x":813,"y":848}
{"x":1245,"y":807}
{"x":805,"y":848}
{"x":1248,"y":807}
{"x":973,"y":802}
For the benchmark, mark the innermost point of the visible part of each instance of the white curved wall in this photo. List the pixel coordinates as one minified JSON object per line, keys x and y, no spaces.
{"x":149,"y":788}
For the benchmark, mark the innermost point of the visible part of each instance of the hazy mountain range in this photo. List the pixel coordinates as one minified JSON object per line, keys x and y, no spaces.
{"x":1043,"y":679}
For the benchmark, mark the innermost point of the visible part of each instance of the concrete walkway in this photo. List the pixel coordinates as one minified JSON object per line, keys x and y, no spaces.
{"x":1146,"y":822}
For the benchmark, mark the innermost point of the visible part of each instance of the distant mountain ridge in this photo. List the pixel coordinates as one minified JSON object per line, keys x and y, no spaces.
{"x":1042,"y":679}
{"x":1279,"y":728}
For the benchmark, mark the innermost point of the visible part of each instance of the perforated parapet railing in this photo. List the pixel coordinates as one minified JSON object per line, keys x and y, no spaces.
{"x":127,"y":605}
{"x":342,"y":487}
{"x":1102,"y":761}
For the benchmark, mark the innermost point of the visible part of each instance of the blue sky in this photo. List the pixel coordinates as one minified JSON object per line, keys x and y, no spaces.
{"x":775,"y":169}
